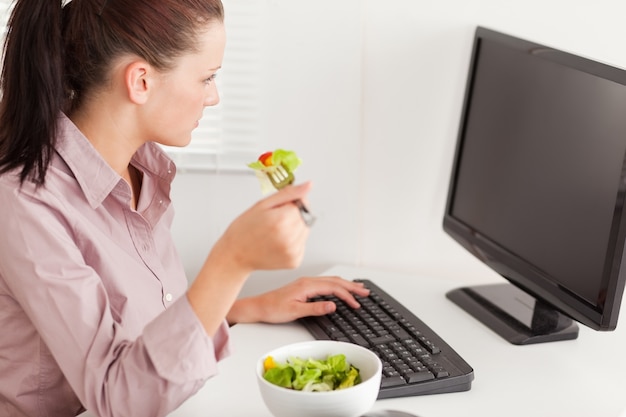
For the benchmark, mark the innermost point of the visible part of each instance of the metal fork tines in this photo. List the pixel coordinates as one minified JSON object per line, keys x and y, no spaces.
{"x":280,"y":177}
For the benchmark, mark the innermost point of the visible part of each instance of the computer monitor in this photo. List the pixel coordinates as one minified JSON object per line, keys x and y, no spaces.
{"x":537,"y":189}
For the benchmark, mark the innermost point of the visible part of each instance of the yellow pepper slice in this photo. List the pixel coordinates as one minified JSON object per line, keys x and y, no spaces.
{"x":269,"y":363}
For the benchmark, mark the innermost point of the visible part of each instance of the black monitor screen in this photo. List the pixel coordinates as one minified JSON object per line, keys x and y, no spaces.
{"x":538,"y":186}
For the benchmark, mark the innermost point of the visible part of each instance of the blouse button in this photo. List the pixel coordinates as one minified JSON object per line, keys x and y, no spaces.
{"x":168,"y":297}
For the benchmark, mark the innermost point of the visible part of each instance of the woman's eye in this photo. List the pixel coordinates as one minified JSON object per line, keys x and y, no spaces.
{"x":210,"y":79}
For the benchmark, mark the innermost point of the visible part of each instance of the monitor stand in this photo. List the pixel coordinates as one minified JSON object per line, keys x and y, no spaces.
{"x":514,"y":314}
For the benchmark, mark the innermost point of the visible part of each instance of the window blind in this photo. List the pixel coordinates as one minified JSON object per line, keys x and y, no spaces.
{"x":228,"y":135}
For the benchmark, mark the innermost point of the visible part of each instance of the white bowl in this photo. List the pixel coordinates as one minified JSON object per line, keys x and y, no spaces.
{"x":347,"y":402}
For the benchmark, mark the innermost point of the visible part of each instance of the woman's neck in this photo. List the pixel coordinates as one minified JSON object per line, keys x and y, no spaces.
{"x":115,"y":140}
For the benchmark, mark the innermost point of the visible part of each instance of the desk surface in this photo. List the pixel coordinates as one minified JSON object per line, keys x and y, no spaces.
{"x":585,"y":377}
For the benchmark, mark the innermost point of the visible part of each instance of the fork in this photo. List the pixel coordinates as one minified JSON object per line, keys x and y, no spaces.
{"x":280,"y":177}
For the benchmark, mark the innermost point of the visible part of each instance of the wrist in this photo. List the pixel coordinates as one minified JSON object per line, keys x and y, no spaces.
{"x":214,"y":292}
{"x":245,"y":310}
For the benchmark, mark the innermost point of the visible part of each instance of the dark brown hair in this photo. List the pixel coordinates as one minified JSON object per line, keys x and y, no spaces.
{"x":55,"y":55}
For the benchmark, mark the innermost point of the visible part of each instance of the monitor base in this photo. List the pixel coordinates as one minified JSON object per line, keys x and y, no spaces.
{"x":513,"y":314}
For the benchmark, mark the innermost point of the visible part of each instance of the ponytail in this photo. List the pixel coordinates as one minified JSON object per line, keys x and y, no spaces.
{"x":32,"y":85}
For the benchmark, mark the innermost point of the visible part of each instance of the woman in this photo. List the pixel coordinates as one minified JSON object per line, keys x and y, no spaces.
{"x":94,"y":306}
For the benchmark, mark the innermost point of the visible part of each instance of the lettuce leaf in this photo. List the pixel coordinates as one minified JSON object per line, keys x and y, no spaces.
{"x":280,"y":376}
{"x":288,"y":159}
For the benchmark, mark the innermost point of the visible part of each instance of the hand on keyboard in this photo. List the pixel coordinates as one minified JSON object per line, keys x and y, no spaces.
{"x":290,"y":302}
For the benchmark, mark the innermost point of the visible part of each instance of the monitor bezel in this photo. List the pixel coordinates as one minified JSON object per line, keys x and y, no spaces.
{"x":518,"y":271}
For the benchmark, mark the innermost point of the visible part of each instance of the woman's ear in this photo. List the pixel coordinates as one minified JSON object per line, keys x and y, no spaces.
{"x":137,"y":82}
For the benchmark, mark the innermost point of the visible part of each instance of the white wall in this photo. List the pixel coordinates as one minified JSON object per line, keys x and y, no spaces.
{"x":369,"y":94}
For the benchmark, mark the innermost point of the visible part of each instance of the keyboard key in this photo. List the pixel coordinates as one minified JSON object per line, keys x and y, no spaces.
{"x":392,"y":381}
{"x":414,"y":377}
{"x":440,"y":372}
{"x":358,"y":339}
{"x":382,"y":339}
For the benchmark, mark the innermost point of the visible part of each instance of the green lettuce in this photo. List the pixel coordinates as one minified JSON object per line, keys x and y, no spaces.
{"x":314,"y":375}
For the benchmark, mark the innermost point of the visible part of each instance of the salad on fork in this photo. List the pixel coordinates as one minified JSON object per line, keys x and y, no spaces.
{"x":275,"y":170}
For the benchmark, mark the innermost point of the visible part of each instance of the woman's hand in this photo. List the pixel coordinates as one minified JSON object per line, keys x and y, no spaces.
{"x":270,"y":234}
{"x":290,"y":302}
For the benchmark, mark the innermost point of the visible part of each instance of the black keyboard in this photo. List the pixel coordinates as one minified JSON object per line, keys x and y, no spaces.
{"x":416,"y":361}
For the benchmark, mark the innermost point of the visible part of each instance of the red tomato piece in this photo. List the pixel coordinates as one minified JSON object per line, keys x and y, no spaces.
{"x":266,"y":159}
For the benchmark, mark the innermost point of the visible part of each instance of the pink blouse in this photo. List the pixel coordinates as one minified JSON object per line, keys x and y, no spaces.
{"x":93,"y":312}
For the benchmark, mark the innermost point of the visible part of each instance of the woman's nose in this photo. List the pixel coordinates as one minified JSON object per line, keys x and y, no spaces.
{"x":213,"y":96}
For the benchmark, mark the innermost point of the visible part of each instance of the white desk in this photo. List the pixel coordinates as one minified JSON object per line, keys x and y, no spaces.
{"x":579,"y":378}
